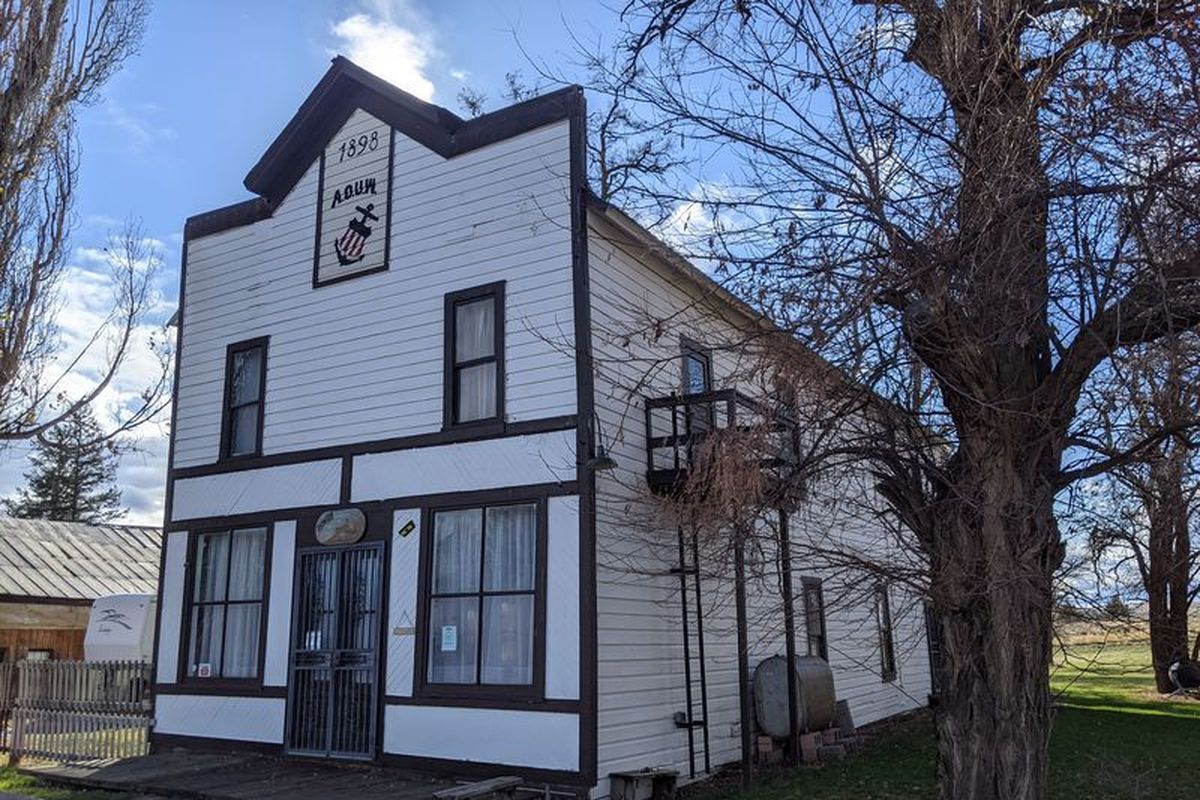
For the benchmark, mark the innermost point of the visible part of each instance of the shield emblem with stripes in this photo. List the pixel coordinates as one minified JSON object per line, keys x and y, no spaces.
{"x":349,"y":246}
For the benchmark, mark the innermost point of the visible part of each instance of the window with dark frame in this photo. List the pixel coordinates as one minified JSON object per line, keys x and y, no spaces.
{"x":245,"y":387}
{"x":475,"y":355}
{"x":483,"y":592}
{"x":697,"y":369}
{"x":814,"y":617}
{"x":39,"y":654}
{"x":225,"y":613}
{"x":887,"y":640}
{"x":933,"y":641}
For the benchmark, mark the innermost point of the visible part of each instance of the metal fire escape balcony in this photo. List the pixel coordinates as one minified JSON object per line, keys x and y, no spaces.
{"x":678,"y":427}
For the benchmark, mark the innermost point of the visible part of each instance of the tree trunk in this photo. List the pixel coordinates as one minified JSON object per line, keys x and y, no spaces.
{"x":997,"y":547}
{"x":1168,"y":578}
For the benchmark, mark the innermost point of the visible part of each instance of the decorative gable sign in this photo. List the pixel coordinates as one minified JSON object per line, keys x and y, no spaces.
{"x":354,"y":218}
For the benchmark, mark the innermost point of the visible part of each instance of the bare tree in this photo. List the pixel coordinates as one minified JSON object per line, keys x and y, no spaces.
{"x":949,"y":202}
{"x":54,"y":57}
{"x":1142,"y":520}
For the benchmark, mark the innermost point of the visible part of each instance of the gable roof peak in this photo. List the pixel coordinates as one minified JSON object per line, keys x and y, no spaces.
{"x":346,"y":87}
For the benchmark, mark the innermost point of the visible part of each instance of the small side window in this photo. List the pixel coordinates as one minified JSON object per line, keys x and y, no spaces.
{"x":814,"y":618}
{"x":887,"y":639}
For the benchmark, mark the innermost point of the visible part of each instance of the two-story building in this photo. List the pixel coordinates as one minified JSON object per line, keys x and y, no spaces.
{"x":404,"y":440}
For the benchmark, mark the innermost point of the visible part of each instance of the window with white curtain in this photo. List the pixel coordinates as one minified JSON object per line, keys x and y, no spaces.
{"x":226,"y":604}
{"x":474,"y":332}
{"x":482,"y":596}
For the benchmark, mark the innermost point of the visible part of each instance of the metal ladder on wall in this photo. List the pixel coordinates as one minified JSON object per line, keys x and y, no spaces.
{"x":695,"y":716}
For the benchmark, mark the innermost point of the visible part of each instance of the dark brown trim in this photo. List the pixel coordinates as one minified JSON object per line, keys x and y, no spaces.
{"x":220,"y":219}
{"x":35,"y":600}
{"x":209,"y":744}
{"x":346,"y":86}
{"x":169,"y":498}
{"x":549,"y":705}
{"x":387,"y":224}
{"x":457,"y":435}
{"x":320,"y":215}
{"x":473,"y":695}
{"x":216,"y":689}
{"x":347,"y":479}
{"x":452,"y":768}
{"x":220,"y":684}
{"x":585,"y":438}
{"x":449,"y":361}
{"x":468,"y":497}
{"x":260,"y":342}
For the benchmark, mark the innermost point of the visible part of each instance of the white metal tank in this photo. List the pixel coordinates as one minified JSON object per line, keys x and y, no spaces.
{"x":121,"y":628}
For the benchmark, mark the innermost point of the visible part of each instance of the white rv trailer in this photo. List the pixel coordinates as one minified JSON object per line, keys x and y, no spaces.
{"x":121,"y":628}
{"x":388,"y":536}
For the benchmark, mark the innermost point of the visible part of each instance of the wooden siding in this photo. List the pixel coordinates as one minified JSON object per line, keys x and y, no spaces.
{"x":362,"y":359}
{"x":539,"y":739}
{"x":279,"y":604}
{"x":312,"y":483}
{"x":64,"y":644}
{"x":640,"y":310}
{"x":249,"y":719}
{"x":464,"y":466}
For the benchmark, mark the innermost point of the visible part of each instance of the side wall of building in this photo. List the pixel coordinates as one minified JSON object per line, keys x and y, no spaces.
{"x":642,"y":311}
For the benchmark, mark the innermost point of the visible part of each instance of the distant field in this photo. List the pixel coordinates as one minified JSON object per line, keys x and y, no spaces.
{"x":1114,"y":739}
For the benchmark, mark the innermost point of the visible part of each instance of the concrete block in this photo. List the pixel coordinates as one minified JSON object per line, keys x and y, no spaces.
{"x":831,"y":752}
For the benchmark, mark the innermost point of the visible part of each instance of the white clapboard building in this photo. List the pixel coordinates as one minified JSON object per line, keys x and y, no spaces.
{"x":389,"y":536}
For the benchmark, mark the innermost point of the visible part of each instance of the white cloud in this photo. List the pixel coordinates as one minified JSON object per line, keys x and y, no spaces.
{"x":391,"y":39}
{"x":139,"y":130}
{"x":85,"y":301}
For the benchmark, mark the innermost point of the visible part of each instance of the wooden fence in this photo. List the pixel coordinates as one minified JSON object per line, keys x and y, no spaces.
{"x":75,"y":710}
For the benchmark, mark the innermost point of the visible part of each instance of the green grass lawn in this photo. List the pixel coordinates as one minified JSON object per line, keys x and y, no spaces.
{"x":1114,"y":739}
{"x":12,"y":781}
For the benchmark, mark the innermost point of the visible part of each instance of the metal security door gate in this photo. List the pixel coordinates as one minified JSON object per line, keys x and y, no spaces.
{"x":333,"y":693}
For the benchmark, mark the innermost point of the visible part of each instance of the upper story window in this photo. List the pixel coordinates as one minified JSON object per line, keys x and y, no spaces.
{"x":225,"y":613}
{"x":474,"y":381}
{"x":697,"y":369}
{"x":245,"y":385}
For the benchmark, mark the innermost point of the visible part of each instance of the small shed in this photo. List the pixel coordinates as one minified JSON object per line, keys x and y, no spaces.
{"x":52,"y":572}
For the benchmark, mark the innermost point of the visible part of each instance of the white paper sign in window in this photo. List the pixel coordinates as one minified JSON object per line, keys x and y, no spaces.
{"x":352,"y":221}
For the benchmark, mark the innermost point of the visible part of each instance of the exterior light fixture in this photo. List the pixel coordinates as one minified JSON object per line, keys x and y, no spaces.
{"x":601,"y":461}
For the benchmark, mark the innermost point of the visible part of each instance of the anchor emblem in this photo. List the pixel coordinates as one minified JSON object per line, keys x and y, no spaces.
{"x":349,"y":246}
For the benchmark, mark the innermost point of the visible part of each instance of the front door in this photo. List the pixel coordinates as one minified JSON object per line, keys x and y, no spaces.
{"x":333,"y":692}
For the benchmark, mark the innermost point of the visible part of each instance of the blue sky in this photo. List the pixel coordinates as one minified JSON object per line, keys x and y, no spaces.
{"x":175,"y":132}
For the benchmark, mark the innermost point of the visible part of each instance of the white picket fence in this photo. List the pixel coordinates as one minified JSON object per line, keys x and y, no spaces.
{"x":75,"y":710}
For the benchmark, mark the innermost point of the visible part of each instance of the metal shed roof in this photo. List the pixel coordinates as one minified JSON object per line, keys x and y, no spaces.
{"x":75,"y":561}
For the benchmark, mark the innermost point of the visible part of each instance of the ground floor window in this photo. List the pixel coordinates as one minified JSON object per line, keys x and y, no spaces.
{"x":814,"y":618}
{"x":225,"y":614}
{"x":483,"y":596}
